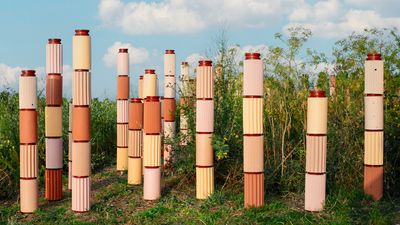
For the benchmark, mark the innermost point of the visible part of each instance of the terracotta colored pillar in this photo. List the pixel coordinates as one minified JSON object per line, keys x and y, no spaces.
{"x":374,"y":139}
{"x":253,"y":138}
{"x":81,"y":96}
{"x":183,"y":100}
{"x":151,"y":137}
{"x":169,"y":103}
{"x":53,"y":120}
{"x":135,"y":141}
{"x":28,"y":134}
{"x":204,"y":130}
{"x":122,"y":109}
{"x":317,"y":117}
{"x":70,"y":145}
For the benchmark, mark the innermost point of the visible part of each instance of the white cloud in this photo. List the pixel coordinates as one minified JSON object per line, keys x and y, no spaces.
{"x":187,"y":16}
{"x":136,"y":55}
{"x":9,"y":76}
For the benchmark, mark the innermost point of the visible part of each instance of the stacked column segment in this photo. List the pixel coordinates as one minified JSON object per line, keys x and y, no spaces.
{"x":169,"y":103}
{"x":151,"y":137}
{"x":135,"y":141}
{"x":53,"y":121}
{"x":81,"y":96}
{"x":122,"y":109}
{"x":374,"y":125}
{"x":253,"y":137}
{"x":29,"y":192}
{"x":316,"y":141}
{"x":204,"y":130}
{"x":183,"y":100}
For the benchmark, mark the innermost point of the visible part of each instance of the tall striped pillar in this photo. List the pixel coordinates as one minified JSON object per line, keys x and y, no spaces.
{"x":151,"y":137}
{"x":141,"y":96}
{"x":70,"y":106}
{"x":53,"y":121}
{"x":81,"y":96}
{"x":373,"y":139}
{"x":253,"y":138}
{"x":183,"y":100}
{"x":169,"y":103}
{"x":122,"y":109}
{"x":135,"y":141}
{"x":317,"y":116}
{"x":28,"y":134}
{"x":204,"y":130}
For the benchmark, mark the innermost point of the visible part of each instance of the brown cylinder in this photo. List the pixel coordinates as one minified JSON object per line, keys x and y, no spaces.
{"x":54,"y":90}
{"x":53,"y":184}
{"x":122,"y":87}
{"x":135,"y":114}
{"x":373,"y":181}
{"x":81,"y":123}
{"x":28,"y":126}
{"x":169,"y":109}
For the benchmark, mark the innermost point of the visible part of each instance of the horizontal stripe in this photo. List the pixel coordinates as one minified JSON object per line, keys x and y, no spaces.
{"x":81,"y":176}
{"x":27,"y":109}
{"x":198,"y":132}
{"x":28,"y":178}
{"x":205,"y":99}
{"x":169,"y":120}
{"x":373,"y":95}
{"x":373,"y":165}
{"x":152,"y":133}
{"x":54,"y":74}
{"x":252,"y":96}
{"x":53,"y":137}
{"x":135,"y":129}
{"x":28,"y":143}
{"x":81,"y":106}
{"x":311,"y":173}
{"x":123,"y":123}
{"x":81,"y":70}
{"x":254,"y":172}
{"x":373,"y":129}
{"x":123,"y":76}
{"x":134,"y":157}
{"x":204,"y":166}
{"x":316,"y":135}
{"x":152,"y":167}
{"x":252,"y":135}
{"x":79,"y":141}
{"x":53,"y":105}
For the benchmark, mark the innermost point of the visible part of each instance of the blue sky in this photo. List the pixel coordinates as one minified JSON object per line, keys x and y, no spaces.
{"x":150,"y":27}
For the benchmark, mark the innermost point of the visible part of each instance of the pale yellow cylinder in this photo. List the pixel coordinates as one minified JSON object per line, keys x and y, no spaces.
{"x":149,"y":85}
{"x":81,"y":55}
{"x":317,"y":115}
{"x":134,"y":170}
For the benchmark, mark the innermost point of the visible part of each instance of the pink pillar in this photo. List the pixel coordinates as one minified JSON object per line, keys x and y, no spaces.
{"x":28,"y":133}
{"x":374,"y":125}
{"x":81,"y":96}
{"x":253,"y":138}
{"x":204,"y":130}
{"x":317,"y":116}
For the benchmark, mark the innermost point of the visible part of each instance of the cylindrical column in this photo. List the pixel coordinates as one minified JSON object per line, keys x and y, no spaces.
{"x":81,"y":96}
{"x":169,"y":103}
{"x":28,"y":133}
{"x":122,"y":108}
{"x":151,"y":138}
{"x":141,"y":97}
{"x":183,"y":100}
{"x":53,"y":121}
{"x":373,"y":140}
{"x":204,"y":130}
{"x":135,"y":141}
{"x":317,"y":116}
{"x":253,"y":136}
{"x":70,"y":145}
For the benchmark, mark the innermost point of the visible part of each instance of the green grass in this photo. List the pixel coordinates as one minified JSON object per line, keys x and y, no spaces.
{"x":116,"y":202}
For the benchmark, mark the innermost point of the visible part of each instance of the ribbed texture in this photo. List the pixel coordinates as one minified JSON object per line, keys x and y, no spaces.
{"x":27,"y":93}
{"x":152,"y":150}
{"x":81,"y":52}
{"x":53,"y":121}
{"x":373,"y":81}
{"x":373,"y":181}
{"x":28,"y":161}
{"x":54,"y":90}
{"x":204,"y":182}
{"x":81,"y":91}
{"x":122,"y":135}
{"x":81,"y":194}
{"x":169,"y":87}
{"x":253,"y":190}
{"x":54,"y":59}
{"x":123,"y":87}
{"x":374,"y":145}
{"x":152,"y":117}
{"x":252,"y":115}
{"x":135,"y":115}
{"x":135,"y":143}
{"x":316,"y":154}
{"x":53,"y":185}
{"x":122,"y":111}
{"x":204,"y":82}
